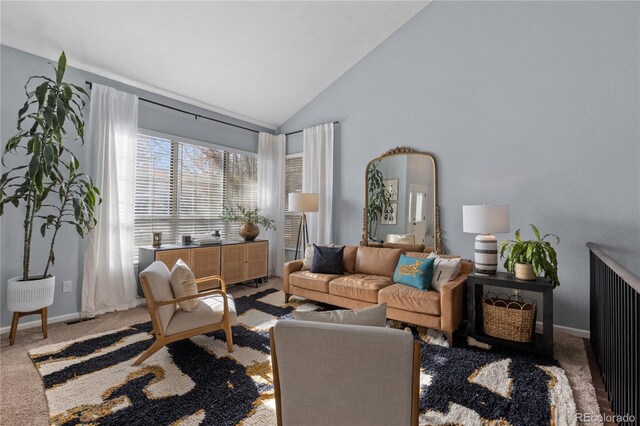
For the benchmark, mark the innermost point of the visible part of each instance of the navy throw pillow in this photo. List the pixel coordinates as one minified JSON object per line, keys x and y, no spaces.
{"x":328,"y":260}
{"x":414,"y":271}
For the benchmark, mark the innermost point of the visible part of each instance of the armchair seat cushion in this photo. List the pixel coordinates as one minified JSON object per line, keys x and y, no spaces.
{"x":411,"y":299}
{"x":210,"y":310}
{"x":311,"y":281}
{"x":359,"y":286}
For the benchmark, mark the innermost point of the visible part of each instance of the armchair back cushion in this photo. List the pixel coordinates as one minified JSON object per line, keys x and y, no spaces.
{"x":159,"y":278}
{"x":334,"y":374}
{"x":377,"y":261}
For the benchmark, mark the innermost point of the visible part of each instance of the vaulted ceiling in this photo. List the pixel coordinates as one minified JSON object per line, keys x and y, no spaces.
{"x":260,"y":61}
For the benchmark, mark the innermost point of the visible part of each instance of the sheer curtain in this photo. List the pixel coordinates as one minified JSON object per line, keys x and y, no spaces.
{"x":109,"y":282}
{"x":271,"y":168}
{"x":317,"y":176}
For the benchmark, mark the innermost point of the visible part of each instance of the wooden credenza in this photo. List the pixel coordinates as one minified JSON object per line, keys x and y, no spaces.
{"x":235,"y":261}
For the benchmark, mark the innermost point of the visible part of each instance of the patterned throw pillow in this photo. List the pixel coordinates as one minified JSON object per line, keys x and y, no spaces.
{"x":445,"y":270}
{"x":183,"y":283}
{"x":414,"y":271}
{"x":328,"y":260}
{"x":375,"y":316}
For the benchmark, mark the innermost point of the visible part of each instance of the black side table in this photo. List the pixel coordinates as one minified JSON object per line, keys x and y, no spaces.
{"x":542,"y":343}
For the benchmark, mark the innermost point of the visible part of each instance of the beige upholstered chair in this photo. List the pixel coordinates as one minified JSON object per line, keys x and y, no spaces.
{"x":216,"y":310}
{"x":332,"y":374}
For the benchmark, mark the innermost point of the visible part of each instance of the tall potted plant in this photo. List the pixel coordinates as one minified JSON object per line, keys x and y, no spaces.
{"x":46,"y":182}
{"x":250,"y":219}
{"x":379,"y":198}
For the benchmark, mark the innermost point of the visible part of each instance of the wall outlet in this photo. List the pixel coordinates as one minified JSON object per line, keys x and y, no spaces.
{"x":66,"y":286}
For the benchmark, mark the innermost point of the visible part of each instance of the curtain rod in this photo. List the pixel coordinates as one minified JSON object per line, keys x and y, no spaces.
{"x":196,"y":116}
{"x":300,"y":131}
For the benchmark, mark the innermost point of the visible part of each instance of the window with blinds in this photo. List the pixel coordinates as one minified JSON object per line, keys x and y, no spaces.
{"x":293,"y":183}
{"x":180,"y":189}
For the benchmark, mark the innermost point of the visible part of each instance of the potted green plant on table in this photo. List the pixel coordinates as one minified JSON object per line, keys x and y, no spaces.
{"x":44,"y":179}
{"x":251,"y":219}
{"x":379,"y":199}
{"x":531,"y":258}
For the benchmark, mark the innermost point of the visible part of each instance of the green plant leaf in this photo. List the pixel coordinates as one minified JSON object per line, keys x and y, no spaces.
{"x":62,"y":66}
{"x":41,"y":93}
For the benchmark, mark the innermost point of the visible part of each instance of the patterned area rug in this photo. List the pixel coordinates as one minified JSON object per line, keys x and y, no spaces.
{"x":91,"y":380}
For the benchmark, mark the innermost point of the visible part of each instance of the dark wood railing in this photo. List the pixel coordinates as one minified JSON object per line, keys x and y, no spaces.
{"x":615,"y":332}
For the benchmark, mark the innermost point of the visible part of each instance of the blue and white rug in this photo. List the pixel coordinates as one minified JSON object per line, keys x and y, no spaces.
{"x":196,"y":381}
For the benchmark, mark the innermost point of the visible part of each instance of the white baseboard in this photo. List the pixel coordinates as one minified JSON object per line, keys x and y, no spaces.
{"x":38,"y":322}
{"x":569,"y":330}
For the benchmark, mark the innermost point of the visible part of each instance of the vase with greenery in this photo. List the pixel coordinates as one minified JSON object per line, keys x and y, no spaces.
{"x":251,"y":220}
{"x":44,"y":177}
{"x":379,"y":198}
{"x":531,"y":258}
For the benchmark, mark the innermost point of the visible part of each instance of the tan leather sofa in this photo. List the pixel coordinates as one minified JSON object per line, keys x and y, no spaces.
{"x":368,"y":280}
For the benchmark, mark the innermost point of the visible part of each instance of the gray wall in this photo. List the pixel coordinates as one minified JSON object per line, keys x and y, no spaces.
{"x":531,"y":104}
{"x":16,"y":67}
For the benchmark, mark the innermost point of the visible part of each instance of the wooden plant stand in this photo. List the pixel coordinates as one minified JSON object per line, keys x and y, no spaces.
{"x":16,"y":319}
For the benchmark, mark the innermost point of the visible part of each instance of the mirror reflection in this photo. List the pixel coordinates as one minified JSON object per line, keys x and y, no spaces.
{"x":401,"y":197}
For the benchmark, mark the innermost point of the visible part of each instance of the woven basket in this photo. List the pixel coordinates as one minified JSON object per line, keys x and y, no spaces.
{"x":509,"y":319}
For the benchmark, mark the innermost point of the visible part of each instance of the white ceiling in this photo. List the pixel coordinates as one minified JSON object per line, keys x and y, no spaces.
{"x":259,"y":61}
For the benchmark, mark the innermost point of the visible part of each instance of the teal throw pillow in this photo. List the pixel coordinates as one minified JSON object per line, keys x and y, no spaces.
{"x":414,"y":271}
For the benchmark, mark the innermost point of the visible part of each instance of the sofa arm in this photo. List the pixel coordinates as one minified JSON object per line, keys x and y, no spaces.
{"x":290,"y":268}
{"x":452,"y":299}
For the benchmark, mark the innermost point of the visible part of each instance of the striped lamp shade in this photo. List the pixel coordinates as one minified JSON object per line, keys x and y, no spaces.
{"x":486,"y":219}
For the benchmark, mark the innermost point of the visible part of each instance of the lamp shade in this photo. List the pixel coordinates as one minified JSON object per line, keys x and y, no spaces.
{"x":485,"y":219}
{"x":303,"y":202}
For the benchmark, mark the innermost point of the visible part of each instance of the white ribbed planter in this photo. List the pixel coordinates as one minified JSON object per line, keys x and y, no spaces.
{"x":27,"y":296}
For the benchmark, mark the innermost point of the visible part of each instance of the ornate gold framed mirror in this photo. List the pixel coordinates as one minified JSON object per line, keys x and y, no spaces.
{"x":401,"y":200}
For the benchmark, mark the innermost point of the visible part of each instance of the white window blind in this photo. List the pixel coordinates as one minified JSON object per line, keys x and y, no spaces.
{"x":293,"y":183}
{"x":180,"y":189}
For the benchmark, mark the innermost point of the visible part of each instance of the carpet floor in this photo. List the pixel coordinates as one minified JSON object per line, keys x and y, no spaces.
{"x":23,"y":399}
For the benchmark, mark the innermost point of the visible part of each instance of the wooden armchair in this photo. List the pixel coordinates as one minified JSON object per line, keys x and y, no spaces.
{"x":216,"y":310}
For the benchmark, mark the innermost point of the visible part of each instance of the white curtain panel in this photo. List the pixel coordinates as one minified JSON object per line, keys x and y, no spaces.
{"x":317,"y":176}
{"x":271,"y":168}
{"x":109,"y":282}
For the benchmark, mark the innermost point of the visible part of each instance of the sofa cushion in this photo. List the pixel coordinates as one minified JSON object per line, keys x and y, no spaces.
{"x":350,"y":253}
{"x":374,"y":316}
{"x":405,"y":247}
{"x":414,"y":272}
{"x":377,"y":261}
{"x":311,"y":281}
{"x":411,"y":299}
{"x":359,"y":286}
{"x":328,"y":260}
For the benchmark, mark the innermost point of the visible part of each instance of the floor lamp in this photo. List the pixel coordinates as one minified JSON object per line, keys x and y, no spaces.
{"x":303,"y":203}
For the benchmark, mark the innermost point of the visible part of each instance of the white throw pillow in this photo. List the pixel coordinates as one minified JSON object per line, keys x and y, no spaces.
{"x":375,"y":316}
{"x":183,"y":283}
{"x":444,"y":270}
{"x":308,"y":256}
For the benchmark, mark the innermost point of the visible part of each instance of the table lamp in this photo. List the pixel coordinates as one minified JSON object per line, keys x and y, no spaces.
{"x":303,"y":202}
{"x":486,"y":220}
